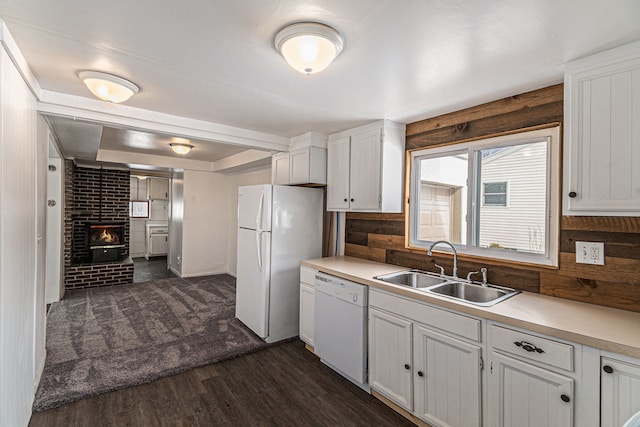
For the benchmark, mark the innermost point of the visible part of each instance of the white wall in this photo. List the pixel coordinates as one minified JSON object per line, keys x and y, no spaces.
{"x":260,"y":176}
{"x":18,"y":247}
{"x":206,"y":218}
{"x":176,"y":220}
{"x":55,"y":243}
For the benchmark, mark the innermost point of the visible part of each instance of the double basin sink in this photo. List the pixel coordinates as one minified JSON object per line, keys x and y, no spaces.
{"x":458,"y":289}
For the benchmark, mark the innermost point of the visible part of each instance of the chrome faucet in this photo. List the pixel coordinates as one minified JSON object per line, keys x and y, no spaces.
{"x":455,"y":255}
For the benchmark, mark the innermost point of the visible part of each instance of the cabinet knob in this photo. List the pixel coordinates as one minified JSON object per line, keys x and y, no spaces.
{"x":573,"y":194}
{"x":565,"y":398}
{"x":420,"y":374}
{"x":352,"y":200}
{"x":345,"y":200}
{"x":608,"y":369}
{"x":407,"y":366}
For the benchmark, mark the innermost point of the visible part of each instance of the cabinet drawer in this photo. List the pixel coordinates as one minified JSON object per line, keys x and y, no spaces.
{"x":532,"y":347}
{"x":453,"y":323}
{"x":307,"y":275}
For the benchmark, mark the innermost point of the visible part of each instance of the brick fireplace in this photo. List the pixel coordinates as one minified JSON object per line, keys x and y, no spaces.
{"x":96,"y":256}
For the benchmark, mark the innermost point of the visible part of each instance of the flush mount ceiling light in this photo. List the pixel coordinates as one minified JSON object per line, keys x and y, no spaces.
{"x":309,"y":47}
{"x":181,"y":148}
{"x":108,"y":87}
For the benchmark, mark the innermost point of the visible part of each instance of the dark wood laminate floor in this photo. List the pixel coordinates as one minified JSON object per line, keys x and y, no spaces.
{"x":284,"y":385}
{"x":152,"y":269}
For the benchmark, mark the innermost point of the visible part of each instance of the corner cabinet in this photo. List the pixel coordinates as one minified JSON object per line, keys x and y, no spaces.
{"x":365,"y":168}
{"x":306,"y":165}
{"x":602,"y":134}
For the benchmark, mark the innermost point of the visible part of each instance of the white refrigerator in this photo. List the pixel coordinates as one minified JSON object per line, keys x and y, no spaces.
{"x":278,"y":226}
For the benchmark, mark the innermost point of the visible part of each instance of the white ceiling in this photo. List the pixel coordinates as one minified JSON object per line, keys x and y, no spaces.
{"x":403,"y":60}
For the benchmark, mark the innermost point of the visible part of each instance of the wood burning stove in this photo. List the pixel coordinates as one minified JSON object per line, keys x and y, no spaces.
{"x":105,"y":241}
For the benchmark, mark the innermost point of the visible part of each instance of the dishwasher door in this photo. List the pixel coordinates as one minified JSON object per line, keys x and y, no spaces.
{"x":341,"y":328}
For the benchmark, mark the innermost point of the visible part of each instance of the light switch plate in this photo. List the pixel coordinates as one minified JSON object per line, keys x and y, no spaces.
{"x":590,"y":253}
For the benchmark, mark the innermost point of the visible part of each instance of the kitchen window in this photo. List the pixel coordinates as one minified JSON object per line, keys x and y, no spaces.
{"x":494,"y":198}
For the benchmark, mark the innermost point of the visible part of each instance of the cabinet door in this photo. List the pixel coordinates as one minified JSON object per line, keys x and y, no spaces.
{"x":521,"y":394}
{"x":390,"y":357}
{"x":158,"y":188}
{"x":620,"y":392}
{"x":280,"y":169}
{"x":364,"y":175}
{"x":158,"y":244}
{"x":602,"y":140}
{"x":307,"y":313}
{"x":338,"y":154}
{"x":447,"y":379}
{"x":299,"y":166}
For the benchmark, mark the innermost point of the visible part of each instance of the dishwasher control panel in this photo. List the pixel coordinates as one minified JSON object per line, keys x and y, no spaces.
{"x":343,"y":289}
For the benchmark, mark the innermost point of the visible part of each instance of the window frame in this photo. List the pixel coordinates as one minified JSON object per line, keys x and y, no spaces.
{"x":475,"y":196}
{"x":506,"y":194}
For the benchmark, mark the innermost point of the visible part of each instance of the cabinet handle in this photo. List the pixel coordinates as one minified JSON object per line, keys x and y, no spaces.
{"x":407,"y":366}
{"x":565,"y":398}
{"x":528,"y":347}
{"x":608,"y":369}
{"x":420,"y":374}
{"x":573,"y":194}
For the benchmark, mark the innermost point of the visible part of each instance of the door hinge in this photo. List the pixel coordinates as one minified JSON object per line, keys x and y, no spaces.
{"x":491,"y":368}
{"x":481,"y":363}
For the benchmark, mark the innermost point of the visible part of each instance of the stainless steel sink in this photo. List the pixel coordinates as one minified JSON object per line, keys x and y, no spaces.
{"x":412,"y":278}
{"x":475,"y":294}
{"x":450,"y":287}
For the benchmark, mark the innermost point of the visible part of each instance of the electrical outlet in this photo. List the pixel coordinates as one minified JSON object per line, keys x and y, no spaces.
{"x":590,"y":253}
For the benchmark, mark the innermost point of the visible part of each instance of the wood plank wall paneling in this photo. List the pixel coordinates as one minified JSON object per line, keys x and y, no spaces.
{"x":380,"y":237}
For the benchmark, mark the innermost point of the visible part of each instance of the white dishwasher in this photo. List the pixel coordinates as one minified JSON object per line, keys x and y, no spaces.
{"x":341,"y":327}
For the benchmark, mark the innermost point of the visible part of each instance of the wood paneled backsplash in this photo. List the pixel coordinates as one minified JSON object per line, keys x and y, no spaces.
{"x":381,"y":237}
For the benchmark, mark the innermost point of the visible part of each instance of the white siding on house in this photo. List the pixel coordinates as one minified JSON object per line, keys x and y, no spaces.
{"x":521,"y":224}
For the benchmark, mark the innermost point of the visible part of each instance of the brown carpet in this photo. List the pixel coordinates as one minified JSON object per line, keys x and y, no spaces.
{"x":105,"y":339}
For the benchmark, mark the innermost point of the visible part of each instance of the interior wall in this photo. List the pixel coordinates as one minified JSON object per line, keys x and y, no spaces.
{"x":54,"y":278}
{"x":260,"y":176}
{"x":381,"y":237}
{"x":176,"y":220}
{"x":18,"y":241}
{"x":205,"y":223}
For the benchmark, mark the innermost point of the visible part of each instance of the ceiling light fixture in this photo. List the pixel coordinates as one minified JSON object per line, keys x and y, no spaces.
{"x":181,"y":148}
{"x":309,"y":47}
{"x":108,"y":87}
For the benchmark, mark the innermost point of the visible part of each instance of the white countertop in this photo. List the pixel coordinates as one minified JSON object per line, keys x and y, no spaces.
{"x":593,"y":325}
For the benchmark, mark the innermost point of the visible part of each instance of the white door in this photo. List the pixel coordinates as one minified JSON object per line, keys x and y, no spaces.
{"x":252,"y":281}
{"x":159,"y":244}
{"x":435,"y":212}
{"x":280,"y":169}
{"x":620,"y":391}
{"x":338,"y":153}
{"x":364,"y":175}
{"x":521,"y":394}
{"x":447,"y":379}
{"x":390,"y":357}
{"x":254,"y":207}
{"x":299,"y":166}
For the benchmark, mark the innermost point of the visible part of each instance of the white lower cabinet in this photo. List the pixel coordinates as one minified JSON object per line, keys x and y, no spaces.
{"x":447,"y":380}
{"x":390,"y":357}
{"x":525,"y":395}
{"x":432,"y":374}
{"x":620,"y":391}
{"x":531,"y":379}
{"x":307,"y":303}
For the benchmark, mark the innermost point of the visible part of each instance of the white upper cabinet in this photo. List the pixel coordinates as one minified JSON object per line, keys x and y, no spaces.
{"x":158,"y":188}
{"x":280,"y":169}
{"x":365,"y":168}
{"x":602,"y":134}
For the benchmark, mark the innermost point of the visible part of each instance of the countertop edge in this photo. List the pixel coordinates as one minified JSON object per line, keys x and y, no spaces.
{"x":503,"y":312}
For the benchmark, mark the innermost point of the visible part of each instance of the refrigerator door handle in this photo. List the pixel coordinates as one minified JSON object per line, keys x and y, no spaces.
{"x":259,"y":248}
{"x":259,"y":216}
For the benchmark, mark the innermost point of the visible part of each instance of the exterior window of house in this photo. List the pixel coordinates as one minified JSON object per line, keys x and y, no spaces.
{"x":495,"y":198}
{"x":495,"y":193}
